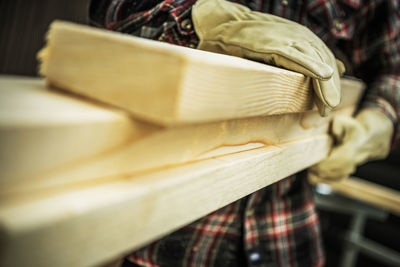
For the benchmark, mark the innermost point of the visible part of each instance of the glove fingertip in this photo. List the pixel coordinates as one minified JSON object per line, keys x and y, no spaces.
{"x":340,"y":66}
{"x":323,"y":109}
{"x":327,"y":91}
{"x":324,"y":72}
{"x":311,"y":67}
{"x":337,"y":127}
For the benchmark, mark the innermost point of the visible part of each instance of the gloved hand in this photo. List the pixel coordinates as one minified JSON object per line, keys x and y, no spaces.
{"x":365,"y":137}
{"x":233,"y":29}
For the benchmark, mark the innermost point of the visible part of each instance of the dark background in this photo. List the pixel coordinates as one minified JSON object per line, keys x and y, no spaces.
{"x":23,"y":24}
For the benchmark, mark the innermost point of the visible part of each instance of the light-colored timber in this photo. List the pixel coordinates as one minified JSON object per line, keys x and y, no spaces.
{"x":94,"y":224}
{"x":97,"y":220}
{"x":53,"y":140}
{"x":118,"y":190}
{"x":366,"y":191}
{"x":164,"y":83}
{"x":42,"y":129}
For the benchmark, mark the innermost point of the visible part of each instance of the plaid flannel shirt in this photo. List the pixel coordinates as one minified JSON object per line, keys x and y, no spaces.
{"x":277,"y":225}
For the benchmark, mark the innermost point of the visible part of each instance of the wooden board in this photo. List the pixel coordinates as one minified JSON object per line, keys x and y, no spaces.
{"x":164,"y":83}
{"x":60,"y":150}
{"x":168,"y":147}
{"x":87,"y":222}
{"x":42,"y":129}
{"x":366,"y":191}
{"x":96,"y":223}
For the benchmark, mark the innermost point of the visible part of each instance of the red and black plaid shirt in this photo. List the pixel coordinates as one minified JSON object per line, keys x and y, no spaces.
{"x":278,"y":225}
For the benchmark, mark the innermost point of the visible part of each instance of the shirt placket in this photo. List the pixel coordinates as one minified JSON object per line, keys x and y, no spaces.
{"x":258,"y":253}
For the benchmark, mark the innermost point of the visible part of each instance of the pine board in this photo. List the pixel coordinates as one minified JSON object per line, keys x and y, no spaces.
{"x":167,"y":84}
{"x":59,"y":140}
{"x":42,"y":129}
{"x":372,"y":193}
{"x":94,"y":224}
{"x":91,"y":221}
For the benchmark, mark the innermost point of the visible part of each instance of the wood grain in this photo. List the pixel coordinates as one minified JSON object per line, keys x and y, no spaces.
{"x":86,"y":222}
{"x":91,"y":225}
{"x":57,"y":140}
{"x":165,"y":83}
{"x":42,"y":129}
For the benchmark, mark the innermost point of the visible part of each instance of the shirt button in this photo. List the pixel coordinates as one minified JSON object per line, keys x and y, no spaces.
{"x":250,"y":212}
{"x":254,"y":256}
{"x":284,"y":2}
{"x":186,"y":24}
{"x":337,"y":24}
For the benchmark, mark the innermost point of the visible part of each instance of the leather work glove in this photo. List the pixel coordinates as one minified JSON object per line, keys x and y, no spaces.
{"x":233,"y":29}
{"x":365,"y":137}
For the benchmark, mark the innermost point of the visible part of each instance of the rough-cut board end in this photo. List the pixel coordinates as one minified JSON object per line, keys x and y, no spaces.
{"x":41,"y":56}
{"x":44,"y":54}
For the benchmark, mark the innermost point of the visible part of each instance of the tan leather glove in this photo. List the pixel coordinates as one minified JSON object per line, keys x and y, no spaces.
{"x":233,"y":29}
{"x":365,"y":137}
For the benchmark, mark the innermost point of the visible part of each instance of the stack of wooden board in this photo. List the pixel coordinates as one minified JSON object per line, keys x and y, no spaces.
{"x":83,"y":181}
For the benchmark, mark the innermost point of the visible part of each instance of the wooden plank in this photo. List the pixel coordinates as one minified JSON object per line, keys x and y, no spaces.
{"x":164,"y":83}
{"x":171,"y":146}
{"x":42,"y":129}
{"x":363,"y":190}
{"x":90,"y":225}
{"x":87,"y":143}
{"x":97,"y":219}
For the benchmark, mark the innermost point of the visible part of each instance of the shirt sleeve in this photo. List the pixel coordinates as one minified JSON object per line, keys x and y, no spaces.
{"x":167,"y":21}
{"x":376,"y":55}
